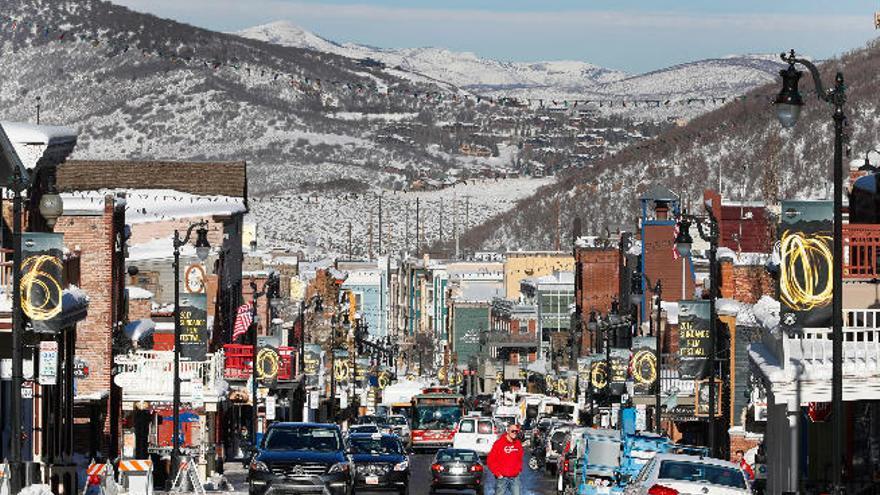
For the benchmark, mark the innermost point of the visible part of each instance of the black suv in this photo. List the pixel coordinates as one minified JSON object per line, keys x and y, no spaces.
{"x":301,"y":458}
{"x":380,"y":462}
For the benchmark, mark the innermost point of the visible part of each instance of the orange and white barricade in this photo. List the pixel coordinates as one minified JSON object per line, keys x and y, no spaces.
{"x":136,"y":476}
{"x":5,"y":488}
{"x":99,"y":477}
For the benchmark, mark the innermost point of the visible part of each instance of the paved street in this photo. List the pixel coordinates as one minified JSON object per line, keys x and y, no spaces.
{"x":533,"y":482}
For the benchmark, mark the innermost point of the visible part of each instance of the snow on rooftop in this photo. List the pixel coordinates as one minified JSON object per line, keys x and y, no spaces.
{"x":363,"y":277}
{"x":31,"y":134}
{"x":136,"y":293}
{"x":671,"y":309}
{"x":158,"y":249}
{"x":153,"y":205}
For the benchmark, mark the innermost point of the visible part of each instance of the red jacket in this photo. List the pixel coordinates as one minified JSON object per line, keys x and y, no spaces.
{"x":505,"y":458}
{"x":748,"y":469}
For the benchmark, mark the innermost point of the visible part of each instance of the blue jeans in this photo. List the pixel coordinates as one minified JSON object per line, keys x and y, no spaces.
{"x":502,"y":485}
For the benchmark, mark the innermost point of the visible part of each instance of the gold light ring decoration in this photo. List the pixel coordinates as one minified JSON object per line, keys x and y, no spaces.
{"x":35,"y":278}
{"x":441,"y":373}
{"x":644,"y":361}
{"x":807,"y":255}
{"x":268,"y":356}
{"x":562,"y":387}
{"x":341,"y":370}
{"x":598,"y":376}
{"x":384,"y":380}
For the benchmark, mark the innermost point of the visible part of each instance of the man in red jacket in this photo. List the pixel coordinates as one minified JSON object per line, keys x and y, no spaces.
{"x":505,"y":461}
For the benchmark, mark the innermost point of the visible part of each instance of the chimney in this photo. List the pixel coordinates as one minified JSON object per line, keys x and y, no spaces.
{"x":661,"y":210}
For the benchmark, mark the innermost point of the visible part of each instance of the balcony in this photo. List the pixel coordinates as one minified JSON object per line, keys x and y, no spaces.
{"x":238,"y":362}
{"x":801,"y":363}
{"x":861,"y":247}
{"x":149,"y":376}
{"x":516,"y":340}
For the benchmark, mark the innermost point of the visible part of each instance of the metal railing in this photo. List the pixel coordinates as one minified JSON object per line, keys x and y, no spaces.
{"x":861,"y":247}
{"x":670,"y":377}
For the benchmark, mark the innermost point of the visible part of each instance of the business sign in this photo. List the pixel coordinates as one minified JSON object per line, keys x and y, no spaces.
{"x":80,"y":368}
{"x":197,"y":392}
{"x":42,"y":279}
{"x":695,"y":340}
{"x":48,"y":363}
{"x":312,"y":364}
{"x":806,"y":264}
{"x":643,"y":367}
{"x":268,"y":364}
{"x":193,"y":327}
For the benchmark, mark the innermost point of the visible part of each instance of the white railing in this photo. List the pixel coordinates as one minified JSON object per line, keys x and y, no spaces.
{"x":813,"y":347}
{"x":149,"y":375}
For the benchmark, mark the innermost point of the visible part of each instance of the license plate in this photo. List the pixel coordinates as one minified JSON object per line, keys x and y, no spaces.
{"x":482,"y":440}
{"x":456,"y":470}
{"x":372,"y":480}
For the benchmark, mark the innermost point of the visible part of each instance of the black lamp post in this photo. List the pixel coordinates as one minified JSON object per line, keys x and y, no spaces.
{"x":658,"y":408}
{"x":203,"y":248}
{"x":788,"y":107}
{"x":708,"y":229}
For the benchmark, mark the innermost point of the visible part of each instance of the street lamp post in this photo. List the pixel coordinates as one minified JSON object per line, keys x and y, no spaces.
{"x":658,"y":412}
{"x":203,"y":248}
{"x":683,"y":244}
{"x":788,"y":108}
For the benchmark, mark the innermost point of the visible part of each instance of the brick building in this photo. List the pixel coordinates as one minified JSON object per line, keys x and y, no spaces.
{"x":597,"y":266}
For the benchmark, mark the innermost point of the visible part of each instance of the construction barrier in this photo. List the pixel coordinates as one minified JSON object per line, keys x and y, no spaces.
{"x":5,"y":489}
{"x":187,"y":479}
{"x":136,"y":476}
{"x":100,"y":479}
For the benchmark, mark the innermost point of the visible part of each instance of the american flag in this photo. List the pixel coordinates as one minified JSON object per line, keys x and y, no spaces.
{"x":675,"y":254}
{"x":243,"y":320}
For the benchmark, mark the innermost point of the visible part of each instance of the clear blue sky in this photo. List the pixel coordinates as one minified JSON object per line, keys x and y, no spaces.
{"x":632,"y":35}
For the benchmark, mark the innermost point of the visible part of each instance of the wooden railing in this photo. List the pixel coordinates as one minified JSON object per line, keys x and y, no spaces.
{"x":861,"y":248}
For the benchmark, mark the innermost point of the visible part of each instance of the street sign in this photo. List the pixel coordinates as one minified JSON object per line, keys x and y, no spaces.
{"x":819,"y":412}
{"x":48,"y":362}
{"x":270,"y":408}
{"x":27,"y":390}
{"x":314,"y":399}
{"x":198,"y":394}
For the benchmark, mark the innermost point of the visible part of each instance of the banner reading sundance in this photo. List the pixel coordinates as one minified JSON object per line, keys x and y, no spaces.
{"x":643,"y":366}
{"x":41,"y":279}
{"x":312,"y":364}
{"x":694,"y":339}
{"x":193,"y":326}
{"x":806,"y":264}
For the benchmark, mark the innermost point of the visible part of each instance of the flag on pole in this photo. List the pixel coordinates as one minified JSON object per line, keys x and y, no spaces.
{"x":675,"y":254}
{"x":243,"y":319}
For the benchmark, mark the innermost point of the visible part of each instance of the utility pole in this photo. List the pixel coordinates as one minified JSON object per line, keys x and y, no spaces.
{"x":467,"y":211}
{"x":418,"y":231}
{"x":38,"y":109}
{"x":380,"y":226}
{"x":406,"y":228}
{"x":441,"y":221}
{"x":455,"y":225}
{"x":370,"y":237}
{"x":558,"y":225}
{"x":349,"y":241}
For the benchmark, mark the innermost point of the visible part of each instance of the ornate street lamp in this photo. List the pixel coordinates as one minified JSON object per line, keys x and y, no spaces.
{"x":203,"y":248}
{"x":788,"y":105}
{"x":708,"y":229}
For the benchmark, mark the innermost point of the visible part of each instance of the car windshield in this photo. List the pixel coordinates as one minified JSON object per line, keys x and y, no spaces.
{"x":699,"y":472}
{"x":364,"y":429}
{"x":436,"y":417}
{"x":397,"y":421}
{"x":303,"y":438}
{"x":368,"y":445}
{"x":376,"y":420}
{"x":457,"y":455}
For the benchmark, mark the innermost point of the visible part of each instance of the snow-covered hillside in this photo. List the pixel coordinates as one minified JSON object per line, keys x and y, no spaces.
{"x":721,"y":78}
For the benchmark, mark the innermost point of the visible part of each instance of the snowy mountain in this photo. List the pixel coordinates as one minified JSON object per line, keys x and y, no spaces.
{"x":556,"y":80}
{"x":739,"y":145}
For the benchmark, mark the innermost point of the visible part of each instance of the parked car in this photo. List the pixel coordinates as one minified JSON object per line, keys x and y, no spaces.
{"x":457,"y":469}
{"x":380,"y":462}
{"x":673,"y":474}
{"x":369,"y":419}
{"x":399,"y":426}
{"x":555,"y":444}
{"x":476,"y":433}
{"x":301,"y":457}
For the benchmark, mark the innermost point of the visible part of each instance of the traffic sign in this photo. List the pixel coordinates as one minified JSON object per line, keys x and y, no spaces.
{"x":48,"y":362}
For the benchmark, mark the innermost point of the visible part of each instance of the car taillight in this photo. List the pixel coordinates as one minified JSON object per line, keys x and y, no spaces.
{"x":477,"y":468}
{"x":565,"y":466}
{"x":437,"y":468}
{"x":662,"y":490}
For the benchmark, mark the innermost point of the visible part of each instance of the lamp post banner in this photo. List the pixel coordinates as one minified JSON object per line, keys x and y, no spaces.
{"x":643,"y":366}
{"x":806,"y":264}
{"x":695,"y":343}
{"x":42,"y":279}
{"x":342,"y":372}
{"x":619,"y":369}
{"x":312,"y":364}
{"x":193,"y":327}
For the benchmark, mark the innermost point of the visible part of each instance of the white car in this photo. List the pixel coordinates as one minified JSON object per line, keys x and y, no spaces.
{"x":677,"y":474}
{"x":476,"y":433}
{"x":399,"y":425}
